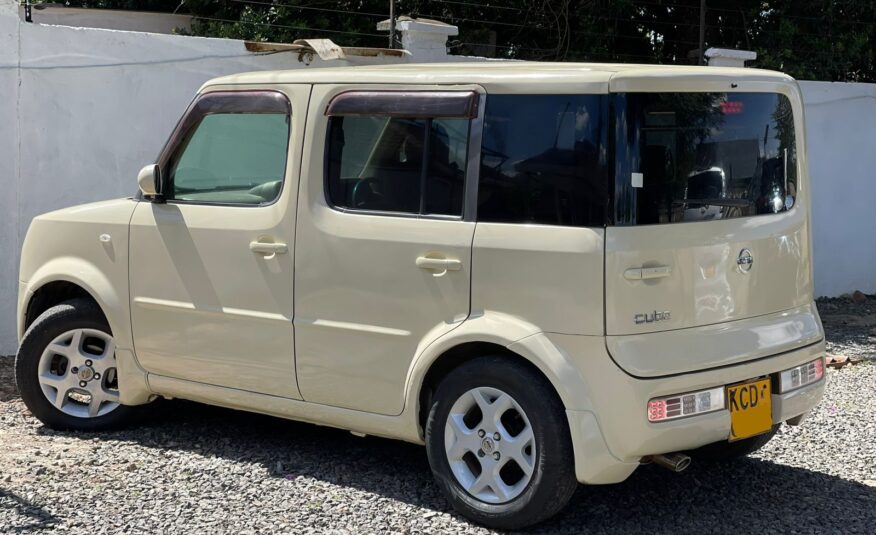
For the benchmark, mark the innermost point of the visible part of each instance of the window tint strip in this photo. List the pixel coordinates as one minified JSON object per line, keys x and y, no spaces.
{"x":408,"y":104}
{"x":261,"y":101}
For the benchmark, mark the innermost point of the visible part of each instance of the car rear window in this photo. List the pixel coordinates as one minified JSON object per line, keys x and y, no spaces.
{"x":703,"y":156}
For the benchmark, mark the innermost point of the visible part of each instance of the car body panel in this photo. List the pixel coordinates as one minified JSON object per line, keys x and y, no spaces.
{"x":86,"y":245}
{"x":716,"y":345}
{"x":367,"y":326}
{"x":522,"y":77}
{"x":363,"y":306}
{"x":516,"y":269}
{"x":705,"y":285}
{"x":620,"y":401}
{"x":204,"y":306}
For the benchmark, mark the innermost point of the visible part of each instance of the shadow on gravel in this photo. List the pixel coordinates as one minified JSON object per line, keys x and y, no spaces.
{"x":35,"y":518}
{"x":745,"y":496}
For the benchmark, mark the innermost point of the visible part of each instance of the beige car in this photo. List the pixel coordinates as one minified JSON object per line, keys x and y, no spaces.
{"x":510,"y":263}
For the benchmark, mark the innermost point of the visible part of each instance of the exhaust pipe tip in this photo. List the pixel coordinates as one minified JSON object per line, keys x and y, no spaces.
{"x":676,"y":462}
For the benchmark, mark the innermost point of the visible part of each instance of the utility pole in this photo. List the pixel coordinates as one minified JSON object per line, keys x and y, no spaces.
{"x":701,"y":53}
{"x":391,"y":23}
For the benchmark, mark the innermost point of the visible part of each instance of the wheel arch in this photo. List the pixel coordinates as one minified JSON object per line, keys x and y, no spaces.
{"x":51,"y":294}
{"x":514,"y":340}
{"x":67,"y":278}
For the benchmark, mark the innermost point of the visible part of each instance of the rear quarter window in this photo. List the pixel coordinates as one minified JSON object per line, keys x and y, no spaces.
{"x":543,"y":160}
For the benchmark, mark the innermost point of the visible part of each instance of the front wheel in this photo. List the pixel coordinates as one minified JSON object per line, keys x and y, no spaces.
{"x":66,"y":369}
{"x":499,"y":445}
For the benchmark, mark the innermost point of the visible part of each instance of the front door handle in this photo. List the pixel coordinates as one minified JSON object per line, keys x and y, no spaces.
{"x":268,"y":248}
{"x":438,"y":264}
{"x":645,"y":273}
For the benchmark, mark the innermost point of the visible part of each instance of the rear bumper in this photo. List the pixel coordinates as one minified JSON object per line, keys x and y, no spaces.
{"x":663,"y":353}
{"x":614,"y":433}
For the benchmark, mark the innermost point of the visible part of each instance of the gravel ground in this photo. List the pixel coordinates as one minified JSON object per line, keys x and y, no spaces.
{"x":850,"y":326}
{"x":190,"y":468}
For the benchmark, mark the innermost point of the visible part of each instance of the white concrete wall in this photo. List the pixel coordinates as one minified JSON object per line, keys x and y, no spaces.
{"x":841,"y":137}
{"x":9,"y":174}
{"x":82,"y":109}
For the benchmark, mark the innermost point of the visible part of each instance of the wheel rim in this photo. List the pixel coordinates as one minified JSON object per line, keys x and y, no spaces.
{"x":490,"y":445}
{"x":77,"y":373}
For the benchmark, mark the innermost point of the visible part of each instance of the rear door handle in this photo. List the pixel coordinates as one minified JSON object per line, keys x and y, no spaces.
{"x":268,"y":248}
{"x":438,"y":264}
{"x":645,"y":273}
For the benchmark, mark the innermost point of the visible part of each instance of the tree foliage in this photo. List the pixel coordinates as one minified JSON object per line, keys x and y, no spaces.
{"x":809,"y":39}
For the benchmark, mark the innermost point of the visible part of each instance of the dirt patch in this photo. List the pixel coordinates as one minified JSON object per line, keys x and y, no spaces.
{"x":7,"y":378}
{"x":850,"y":325}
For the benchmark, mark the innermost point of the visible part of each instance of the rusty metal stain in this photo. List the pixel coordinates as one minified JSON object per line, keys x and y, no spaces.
{"x":374,"y":52}
{"x":326,"y":49}
{"x":257,"y":46}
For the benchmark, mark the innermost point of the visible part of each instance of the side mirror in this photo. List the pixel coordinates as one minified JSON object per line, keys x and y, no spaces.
{"x":147,"y":180}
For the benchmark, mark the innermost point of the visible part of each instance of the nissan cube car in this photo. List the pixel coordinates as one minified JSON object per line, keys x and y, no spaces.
{"x":549,"y":274}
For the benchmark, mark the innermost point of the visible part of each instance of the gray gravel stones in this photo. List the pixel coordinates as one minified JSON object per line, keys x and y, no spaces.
{"x":850,"y":326}
{"x":190,"y":468}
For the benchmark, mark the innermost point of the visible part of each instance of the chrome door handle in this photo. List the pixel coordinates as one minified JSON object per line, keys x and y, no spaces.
{"x":645,"y":273}
{"x":268,"y":248}
{"x":438,"y":264}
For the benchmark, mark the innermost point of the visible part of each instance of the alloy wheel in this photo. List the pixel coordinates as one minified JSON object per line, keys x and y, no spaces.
{"x":77,"y":373}
{"x":490,"y":445}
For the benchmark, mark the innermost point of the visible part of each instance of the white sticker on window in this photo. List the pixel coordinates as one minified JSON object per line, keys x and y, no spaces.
{"x":638,"y":180}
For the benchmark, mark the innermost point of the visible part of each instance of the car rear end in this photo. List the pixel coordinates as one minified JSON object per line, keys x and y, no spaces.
{"x":711,"y":329}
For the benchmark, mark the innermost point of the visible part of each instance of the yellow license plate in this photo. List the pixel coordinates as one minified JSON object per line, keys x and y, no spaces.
{"x":750,"y":409}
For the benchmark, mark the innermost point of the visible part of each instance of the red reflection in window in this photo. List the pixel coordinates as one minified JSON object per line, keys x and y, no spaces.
{"x":731,"y":107}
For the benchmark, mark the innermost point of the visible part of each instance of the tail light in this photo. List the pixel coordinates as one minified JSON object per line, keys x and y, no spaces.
{"x":681,"y":405}
{"x":800,"y":376}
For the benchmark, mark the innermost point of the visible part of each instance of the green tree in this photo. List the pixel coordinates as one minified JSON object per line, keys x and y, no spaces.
{"x":809,"y":39}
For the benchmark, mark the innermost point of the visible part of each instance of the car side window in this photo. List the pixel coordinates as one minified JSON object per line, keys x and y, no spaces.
{"x":396,"y":161}
{"x":234,"y":152}
{"x":543,"y":160}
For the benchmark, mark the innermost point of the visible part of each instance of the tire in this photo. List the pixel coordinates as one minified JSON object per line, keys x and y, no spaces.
{"x":725,"y":451}
{"x":521,"y":503}
{"x":39,"y":382}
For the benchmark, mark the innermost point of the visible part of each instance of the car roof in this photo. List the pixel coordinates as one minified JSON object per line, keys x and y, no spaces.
{"x":500,"y":75}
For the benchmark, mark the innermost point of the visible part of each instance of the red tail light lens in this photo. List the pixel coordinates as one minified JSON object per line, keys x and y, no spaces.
{"x":682,"y":405}
{"x":801,"y":376}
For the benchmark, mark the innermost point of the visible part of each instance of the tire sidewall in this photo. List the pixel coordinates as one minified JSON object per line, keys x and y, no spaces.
{"x":553,"y":445}
{"x":74,"y":314}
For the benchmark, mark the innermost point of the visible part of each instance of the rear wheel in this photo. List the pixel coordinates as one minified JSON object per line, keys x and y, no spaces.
{"x":729,"y":451}
{"x":66,"y":369}
{"x":499,"y":444}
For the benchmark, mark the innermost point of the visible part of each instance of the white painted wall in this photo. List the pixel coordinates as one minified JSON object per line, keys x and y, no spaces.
{"x":841,"y":137}
{"x":9,"y":174}
{"x":82,"y":109}
{"x":87,"y":107}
